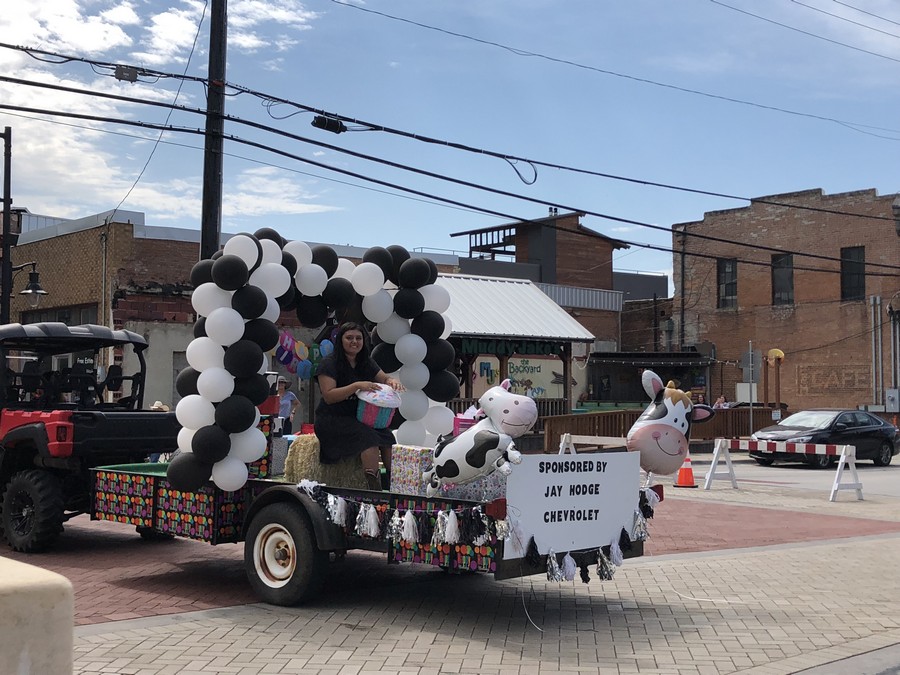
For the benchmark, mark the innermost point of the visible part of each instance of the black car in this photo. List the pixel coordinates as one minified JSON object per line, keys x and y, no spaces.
{"x":873,"y":438}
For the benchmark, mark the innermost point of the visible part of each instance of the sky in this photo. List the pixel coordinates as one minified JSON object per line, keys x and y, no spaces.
{"x":745,"y":98}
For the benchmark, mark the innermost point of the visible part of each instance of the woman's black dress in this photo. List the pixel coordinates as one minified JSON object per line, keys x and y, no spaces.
{"x":340,"y":434}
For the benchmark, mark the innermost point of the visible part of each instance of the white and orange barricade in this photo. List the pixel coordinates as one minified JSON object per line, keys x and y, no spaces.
{"x":846,"y":455}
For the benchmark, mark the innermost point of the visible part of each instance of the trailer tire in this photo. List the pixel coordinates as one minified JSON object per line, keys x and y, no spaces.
{"x":32,"y":510}
{"x":283,"y":562}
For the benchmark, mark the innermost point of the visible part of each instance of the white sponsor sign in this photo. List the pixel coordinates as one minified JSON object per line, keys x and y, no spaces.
{"x":569,"y":502}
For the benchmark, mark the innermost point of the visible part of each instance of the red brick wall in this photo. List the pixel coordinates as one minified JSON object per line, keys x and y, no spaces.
{"x":827,"y":342}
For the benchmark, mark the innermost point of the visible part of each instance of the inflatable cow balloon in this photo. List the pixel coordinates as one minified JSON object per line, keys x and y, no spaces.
{"x":487,"y":445}
{"x":662,"y":432}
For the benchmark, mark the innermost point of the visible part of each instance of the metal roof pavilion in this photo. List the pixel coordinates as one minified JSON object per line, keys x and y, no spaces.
{"x":507,"y":308}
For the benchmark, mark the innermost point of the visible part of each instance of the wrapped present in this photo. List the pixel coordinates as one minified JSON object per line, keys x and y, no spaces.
{"x":409,"y":462}
{"x":461,"y":423}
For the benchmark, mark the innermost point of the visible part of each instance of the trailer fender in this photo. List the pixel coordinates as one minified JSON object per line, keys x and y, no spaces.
{"x":33,"y":434}
{"x":329,"y":537}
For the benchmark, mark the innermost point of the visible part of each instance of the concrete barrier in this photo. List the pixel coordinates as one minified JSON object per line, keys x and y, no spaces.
{"x":37,"y":610}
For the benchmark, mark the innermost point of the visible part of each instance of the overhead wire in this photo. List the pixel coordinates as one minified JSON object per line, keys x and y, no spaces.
{"x":843,"y":18}
{"x":377,"y":181}
{"x":863,"y":11}
{"x":268,"y":99}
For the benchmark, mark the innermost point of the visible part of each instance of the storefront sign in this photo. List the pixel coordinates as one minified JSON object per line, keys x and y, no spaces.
{"x":476,"y":347}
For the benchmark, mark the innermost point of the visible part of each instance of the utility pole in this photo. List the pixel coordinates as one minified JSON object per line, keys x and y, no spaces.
{"x":6,"y":263}
{"x":211,"y":211}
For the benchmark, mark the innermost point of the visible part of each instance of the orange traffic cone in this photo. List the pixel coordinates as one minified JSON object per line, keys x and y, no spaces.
{"x":685,"y":478}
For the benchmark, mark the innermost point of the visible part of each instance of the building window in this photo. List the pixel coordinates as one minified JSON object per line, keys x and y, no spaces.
{"x":726,"y":276}
{"x":783,"y":279}
{"x":853,"y":273}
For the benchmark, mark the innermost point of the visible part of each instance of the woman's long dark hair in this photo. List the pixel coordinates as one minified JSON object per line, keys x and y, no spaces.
{"x":340,"y":356}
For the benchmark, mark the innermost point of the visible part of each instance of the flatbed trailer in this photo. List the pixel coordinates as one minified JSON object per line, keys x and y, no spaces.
{"x":290,"y":531}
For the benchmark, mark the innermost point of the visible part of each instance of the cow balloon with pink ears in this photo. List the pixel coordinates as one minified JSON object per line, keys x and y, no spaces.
{"x":485,"y":447}
{"x":662,"y":433}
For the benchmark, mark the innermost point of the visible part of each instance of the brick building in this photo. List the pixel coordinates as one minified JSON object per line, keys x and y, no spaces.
{"x":757,"y":278}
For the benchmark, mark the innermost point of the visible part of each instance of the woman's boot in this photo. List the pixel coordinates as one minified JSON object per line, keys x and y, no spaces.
{"x":373,"y":480}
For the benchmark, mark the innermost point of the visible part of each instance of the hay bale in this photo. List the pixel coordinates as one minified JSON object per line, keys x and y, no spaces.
{"x":303,"y":462}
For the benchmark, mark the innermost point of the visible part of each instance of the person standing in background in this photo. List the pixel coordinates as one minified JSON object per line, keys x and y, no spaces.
{"x":287,"y":405}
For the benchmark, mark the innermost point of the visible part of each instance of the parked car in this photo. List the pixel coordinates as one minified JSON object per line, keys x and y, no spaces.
{"x":873,"y":437}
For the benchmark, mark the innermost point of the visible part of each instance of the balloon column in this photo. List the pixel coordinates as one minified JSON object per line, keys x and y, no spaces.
{"x":239,"y":295}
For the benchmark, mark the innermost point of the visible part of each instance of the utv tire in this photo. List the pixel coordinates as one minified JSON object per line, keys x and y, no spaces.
{"x":281,"y":558}
{"x":32,"y":511}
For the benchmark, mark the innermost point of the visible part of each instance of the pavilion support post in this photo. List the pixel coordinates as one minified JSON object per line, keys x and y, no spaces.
{"x":567,"y":376}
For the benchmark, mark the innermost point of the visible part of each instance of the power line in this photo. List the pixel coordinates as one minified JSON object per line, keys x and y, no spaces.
{"x":267,"y":99}
{"x":278,"y":151}
{"x":843,"y":18}
{"x":804,"y":32}
{"x":862,"y":11}
{"x":522,"y":52}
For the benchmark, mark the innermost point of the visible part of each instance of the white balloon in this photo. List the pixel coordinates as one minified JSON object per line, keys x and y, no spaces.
{"x":410,"y":348}
{"x":194,"y":412}
{"x":203,"y":353}
{"x":273,"y":311}
{"x":244,"y":247}
{"x":448,"y":327}
{"x":248,"y":446}
{"x":208,"y":297}
{"x":413,"y":404}
{"x":437,"y":298}
{"x":224,"y":326}
{"x":264,"y":366}
{"x":367,"y":278}
{"x":271,"y":252}
{"x":414,"y":375}
{"x":185,"y":436}
{"x":311,"y":279}
{"x":215,"y":384}
{"x":257,"y":418}
{"x":273,"y":278}
{"x":230,"y":474}
{"x":345,"y":269}
{"x":393,"y":328}
{"x":378,"y":306}
{"x":300,"y":250}
{"x":411,"y":432}
{"x":439,"y":420}
{"x":430,"y":440}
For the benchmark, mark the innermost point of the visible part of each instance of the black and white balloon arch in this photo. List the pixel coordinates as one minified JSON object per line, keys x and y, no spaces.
{"x":239,"y":295}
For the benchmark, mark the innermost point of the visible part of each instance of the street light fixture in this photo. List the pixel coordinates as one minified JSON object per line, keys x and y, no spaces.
{"x":33,"y":290}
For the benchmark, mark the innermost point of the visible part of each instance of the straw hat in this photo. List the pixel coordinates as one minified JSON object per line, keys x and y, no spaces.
{"x":159,"y":406}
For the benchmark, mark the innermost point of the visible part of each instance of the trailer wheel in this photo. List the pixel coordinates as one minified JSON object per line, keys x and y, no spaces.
{"x":32,"y":511}
{"x":283,"y":562}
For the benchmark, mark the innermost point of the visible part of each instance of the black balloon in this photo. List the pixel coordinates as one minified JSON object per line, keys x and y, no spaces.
{"x":211,"y":443}
{"x":428,"y":325}
{"x":243,"y":358}
{"x":235,"y":414}
{"x":230,"y":272}
{"x":218,"y":254}
{"x":442,"y":386}
{"x":408,"y":303}
{"x":386,"y":357}
{"x":325,"y":257}
{"x":255,"y":387}
{"x":263,"y":332}
{"x":399,"y":255}
{"x":249,"y":301}
{"x":381,"y":257}
{"x":311,"y":310}
{"x":439,"y":355}
{"x":338,"y":293}
{"x":433,"y":271}
{"x":187,"y":472}
{"x":414,"y":273}
{"x":288,"y":301}
{"x":201,"y":272}
{"x":200,"y":327}
{"x":289,"y":263}
{"x":269,"y":233}
{"x":186,"y":382}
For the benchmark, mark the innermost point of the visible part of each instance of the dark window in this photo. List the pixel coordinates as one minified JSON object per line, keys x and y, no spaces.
{"x":783,"y":279}
{"x":726,"y":279}
{"x":853,"y":273}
